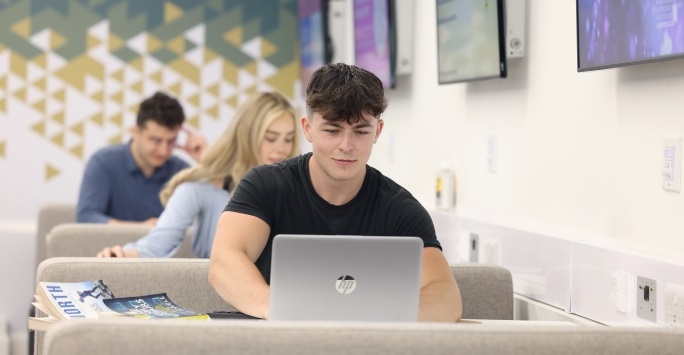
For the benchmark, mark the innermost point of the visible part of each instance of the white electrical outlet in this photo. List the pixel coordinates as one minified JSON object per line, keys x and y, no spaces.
{"x":647,"y":299}
{"x":620,"y":296}
{"x":672,"y":170}
{"x":674,"y":305}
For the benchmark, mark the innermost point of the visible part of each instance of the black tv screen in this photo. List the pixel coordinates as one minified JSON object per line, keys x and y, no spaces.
{"x":470,"y":40}
{"x":314,"y":41}
{"x":375,"y":38}
{"x":612,"y":33}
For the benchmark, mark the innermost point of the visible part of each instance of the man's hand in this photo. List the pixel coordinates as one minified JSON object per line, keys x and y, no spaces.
{"x":195,"y":145}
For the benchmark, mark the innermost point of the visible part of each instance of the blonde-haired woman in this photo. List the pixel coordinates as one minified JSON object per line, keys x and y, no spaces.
{"x":263,"y":131}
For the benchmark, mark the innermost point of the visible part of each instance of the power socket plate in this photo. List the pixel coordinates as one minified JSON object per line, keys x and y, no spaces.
{"x":674,"y":304}
{"x":647,"y":299}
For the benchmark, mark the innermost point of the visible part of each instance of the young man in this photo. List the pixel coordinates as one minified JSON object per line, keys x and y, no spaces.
{"x":121,"y":183}
{"x":329,"y":191}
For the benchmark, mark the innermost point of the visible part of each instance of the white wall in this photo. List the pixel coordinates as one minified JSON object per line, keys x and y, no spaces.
{"x":579,"y":154}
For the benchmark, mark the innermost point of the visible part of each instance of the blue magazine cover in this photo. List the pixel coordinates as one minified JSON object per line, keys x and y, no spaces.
{"x":150,"y":307}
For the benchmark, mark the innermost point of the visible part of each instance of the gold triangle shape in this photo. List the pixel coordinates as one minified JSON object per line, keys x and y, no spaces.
{"x":50,"y":172}
{"x":60,"y":95}
{"x":230,"y":72}
{"x":195,"y":100}
{"x":118,"y":97}
{"x":98,"y":119}
{"x":213,"y":112}
{"x":3,"y":81}
{"x":171,"y":12}
{"x":115,"y":42}
{"x":21,"y":94}
{"x":209,"y":55}
{"x":116,"y":139}
{"x":234,"y":36}
{"x":77,"y":151}
{"x":251,"y":68}
{"x":3,"y":104}
{"x":39,"y":128}
{"x":78,"y":128}
{"x":194,"y":122}
{"x":137,"y":64}
{"x":119,"y":75}
{"x":138,"y":87}
{"x":176,"y":88}
{"x":283,"y":79}
{"x":153,"y":43}
{"x":41,"y":60}
{"x":251,"y":90}
{"x":177,"y":45}
{"x":22,"y":28}
{"x":58,"y":139}
{"x":214,"y":89}
{"x":39,"y":106}
{"x":18,"y":64}
{"x":92,"y":42}
{"x":157,"y":77}
{"x":59,"y":118}
{"x":117,"y":119}
{"x":2,"y":149}
{"x":56,"y":40}
{"x":99,"y":96}
{"x":267,"y":48}
{"x":232,"y":101}
{"x":40,"y":83}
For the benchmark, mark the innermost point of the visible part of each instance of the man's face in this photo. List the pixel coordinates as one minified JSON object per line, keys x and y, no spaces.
{"x":340,"y":150}
{"x":153,"y":144}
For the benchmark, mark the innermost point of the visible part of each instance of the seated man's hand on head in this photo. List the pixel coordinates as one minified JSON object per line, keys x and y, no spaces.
{"x":117,"y":252}
{"x":195,"y":145}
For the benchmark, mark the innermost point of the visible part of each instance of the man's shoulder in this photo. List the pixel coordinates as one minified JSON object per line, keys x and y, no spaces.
{"x":111,"y":151}
{"x":176,"y":163}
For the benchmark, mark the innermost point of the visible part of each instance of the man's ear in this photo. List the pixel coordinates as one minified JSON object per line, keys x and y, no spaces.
{"x":381,"y":124}
{"x":306,"y":128}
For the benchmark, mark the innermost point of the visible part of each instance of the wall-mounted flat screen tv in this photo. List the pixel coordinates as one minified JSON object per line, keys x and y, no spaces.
{"x":314,"y":41}
{"x":470,"y":40}
{"x":375,"y":38}
{"x":613,"y":33}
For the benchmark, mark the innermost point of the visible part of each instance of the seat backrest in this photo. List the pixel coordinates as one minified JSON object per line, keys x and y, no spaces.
{"x":160,"y":337}
{"x":486,"y":291}
{"x":85,"y":239}
{"x":185,"y":281}
{"x":49,"y":216}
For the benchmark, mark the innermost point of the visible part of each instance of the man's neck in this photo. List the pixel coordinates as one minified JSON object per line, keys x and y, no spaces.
{"x":146,"y":169}
{"x":333,"y":191}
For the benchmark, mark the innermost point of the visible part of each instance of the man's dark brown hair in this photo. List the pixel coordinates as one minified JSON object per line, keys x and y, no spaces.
{"x":162,"y":109}
{"x":342,"y":92}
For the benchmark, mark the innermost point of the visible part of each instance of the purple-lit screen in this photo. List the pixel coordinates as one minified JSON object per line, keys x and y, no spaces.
{"x":618,"y":32}
{"x":311,"y":37}
{"x":371,"y":38}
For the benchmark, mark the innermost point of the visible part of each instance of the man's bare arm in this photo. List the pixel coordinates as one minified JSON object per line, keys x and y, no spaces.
{"x":440,"y":298}
{"x":239,"y":241}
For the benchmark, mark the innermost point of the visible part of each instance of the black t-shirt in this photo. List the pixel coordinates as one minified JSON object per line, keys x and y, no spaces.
{"x":282,"y":196}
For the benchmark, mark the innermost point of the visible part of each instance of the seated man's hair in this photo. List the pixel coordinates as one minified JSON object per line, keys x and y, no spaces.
{"x":162,"y":109}
{"x":342,"y":92}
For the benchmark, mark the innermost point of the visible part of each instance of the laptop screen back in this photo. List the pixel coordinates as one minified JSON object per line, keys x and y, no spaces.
{"x":345,"y":278}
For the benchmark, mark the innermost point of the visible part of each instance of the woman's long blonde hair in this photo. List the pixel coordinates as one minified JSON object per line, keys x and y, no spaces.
{"x":237,"y":149}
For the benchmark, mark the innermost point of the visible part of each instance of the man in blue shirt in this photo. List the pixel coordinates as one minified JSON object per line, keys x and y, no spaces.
{"x":121,"y":183}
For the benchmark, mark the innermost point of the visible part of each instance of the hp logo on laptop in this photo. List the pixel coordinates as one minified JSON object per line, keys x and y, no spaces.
{"x":345,"y":284}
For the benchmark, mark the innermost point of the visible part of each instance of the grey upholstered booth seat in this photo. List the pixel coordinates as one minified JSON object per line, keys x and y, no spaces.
{"x":486,"y":291}
{"x":185,"y":281}
{"x":50,"y":216}
{"x":86,"y":239}
{"x":255,"y":337}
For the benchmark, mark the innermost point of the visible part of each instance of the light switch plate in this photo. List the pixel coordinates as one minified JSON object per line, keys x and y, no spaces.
{"x":672,"y":161}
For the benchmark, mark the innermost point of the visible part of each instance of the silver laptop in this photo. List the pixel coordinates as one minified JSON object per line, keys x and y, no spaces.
{"x":345,"y":278}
